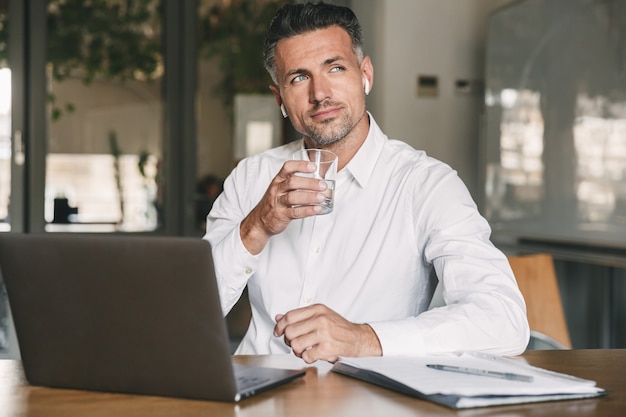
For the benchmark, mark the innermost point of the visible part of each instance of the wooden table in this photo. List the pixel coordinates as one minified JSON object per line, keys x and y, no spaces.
{"x":320,"y":393}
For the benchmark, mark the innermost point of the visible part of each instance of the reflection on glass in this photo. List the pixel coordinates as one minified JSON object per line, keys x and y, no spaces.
{"x":556,"y":121}
{"x":105,"y":129}
{"x":600,"y":142}
{"x":85,"y":192}
{"x":515,"y":184}
{"x":5,"y":147}
{"x":5,"y":168}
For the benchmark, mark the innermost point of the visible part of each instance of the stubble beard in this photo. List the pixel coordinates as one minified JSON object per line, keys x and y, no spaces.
{"x":329,"y":131}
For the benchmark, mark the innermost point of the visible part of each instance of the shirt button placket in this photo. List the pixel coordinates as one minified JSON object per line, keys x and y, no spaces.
{"x":308,"y":289}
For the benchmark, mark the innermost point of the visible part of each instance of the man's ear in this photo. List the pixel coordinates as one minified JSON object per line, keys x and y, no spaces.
{"x":276,"y":93}
{"x":279,"y":100}
{"x":367,"y":69}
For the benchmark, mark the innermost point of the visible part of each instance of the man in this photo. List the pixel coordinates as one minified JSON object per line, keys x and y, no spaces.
{"x":359,"y":280}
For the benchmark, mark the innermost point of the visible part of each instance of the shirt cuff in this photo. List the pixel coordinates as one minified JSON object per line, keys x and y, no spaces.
{"x":411,"y":343}
{"x":242,"y":263}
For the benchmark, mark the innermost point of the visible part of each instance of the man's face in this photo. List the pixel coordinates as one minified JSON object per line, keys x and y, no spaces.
{"x":320,"y":82}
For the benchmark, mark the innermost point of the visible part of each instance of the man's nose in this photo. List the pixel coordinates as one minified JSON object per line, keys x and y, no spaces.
{"x":320,"y":90}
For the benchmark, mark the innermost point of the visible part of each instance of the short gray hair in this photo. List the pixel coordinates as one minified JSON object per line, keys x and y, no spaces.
{"x":295,"y":19}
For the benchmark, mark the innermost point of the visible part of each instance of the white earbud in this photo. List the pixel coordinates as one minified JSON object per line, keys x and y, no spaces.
{"x":283,"y":111}
{"x":366,"y":86}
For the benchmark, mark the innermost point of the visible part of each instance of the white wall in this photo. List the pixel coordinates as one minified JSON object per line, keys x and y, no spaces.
{"x":446,"y":38}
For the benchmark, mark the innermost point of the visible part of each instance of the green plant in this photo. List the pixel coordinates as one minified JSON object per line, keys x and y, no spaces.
{"x":234,"y":34}
{"x":120,"y":40}
{"x":113,"y":40}
{"x":110,"y":39}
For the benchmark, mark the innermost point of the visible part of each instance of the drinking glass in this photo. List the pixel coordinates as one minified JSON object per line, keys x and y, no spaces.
{"x":325,"y":169}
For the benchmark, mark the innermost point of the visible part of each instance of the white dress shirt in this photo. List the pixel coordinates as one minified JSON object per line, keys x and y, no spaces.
{"x":400,"y":220}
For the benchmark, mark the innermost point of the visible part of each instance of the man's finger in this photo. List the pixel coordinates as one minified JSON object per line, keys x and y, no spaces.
{"x":291,"y":167}
{"x":293,"y":316}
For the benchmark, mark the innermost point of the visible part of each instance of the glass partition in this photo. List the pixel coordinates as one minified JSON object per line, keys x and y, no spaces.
{"x":5,"y":122}
{"x":105,"y":106}
{"x":5,"y":165}
{"x":555,"y":131}
{"x":5,"y":147}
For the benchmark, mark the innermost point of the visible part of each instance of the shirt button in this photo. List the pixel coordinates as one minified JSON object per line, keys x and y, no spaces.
{"x":317,"y":249}
{"x":248,"y":271}
{"x":308,"y":300}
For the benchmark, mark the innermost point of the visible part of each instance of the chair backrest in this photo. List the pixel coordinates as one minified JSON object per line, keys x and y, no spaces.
{"x":537,"y":281}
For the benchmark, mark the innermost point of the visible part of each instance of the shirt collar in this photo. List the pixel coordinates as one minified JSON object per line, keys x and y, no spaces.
{"x":361,"y":166}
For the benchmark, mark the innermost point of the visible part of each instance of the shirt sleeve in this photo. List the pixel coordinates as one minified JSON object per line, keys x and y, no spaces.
{"x":234,"y":265}
{"x":484,"y":309}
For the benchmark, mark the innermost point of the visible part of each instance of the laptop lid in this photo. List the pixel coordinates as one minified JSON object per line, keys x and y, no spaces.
{"x":124,"y":314}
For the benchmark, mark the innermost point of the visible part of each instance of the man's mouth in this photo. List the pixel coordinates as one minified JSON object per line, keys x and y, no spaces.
{"x":325,"y":113}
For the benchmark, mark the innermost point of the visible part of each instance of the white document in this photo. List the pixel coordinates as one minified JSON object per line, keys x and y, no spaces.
{"x":412,"y":376}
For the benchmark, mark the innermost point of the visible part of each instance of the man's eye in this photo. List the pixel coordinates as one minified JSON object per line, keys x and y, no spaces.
{"x":298,"y":78}
{"x":336,"y":69}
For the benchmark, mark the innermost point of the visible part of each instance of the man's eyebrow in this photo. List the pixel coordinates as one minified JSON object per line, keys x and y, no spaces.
{"x":333,"y":60}
{"x":304,"y":71}
{"x":295,"y":72}
{"x":300,"y":71}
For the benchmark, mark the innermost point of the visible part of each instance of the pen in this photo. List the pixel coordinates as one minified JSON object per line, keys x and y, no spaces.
{"x":482,"y":372}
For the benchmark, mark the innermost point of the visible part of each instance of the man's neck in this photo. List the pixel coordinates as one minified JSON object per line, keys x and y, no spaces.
{"x":347,"y":147}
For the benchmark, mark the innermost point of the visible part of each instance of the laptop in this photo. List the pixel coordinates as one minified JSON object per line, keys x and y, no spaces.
{"x":137,"y":315}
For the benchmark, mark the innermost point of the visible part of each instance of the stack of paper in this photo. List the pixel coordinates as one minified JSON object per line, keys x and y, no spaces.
{"x":472,"y":379}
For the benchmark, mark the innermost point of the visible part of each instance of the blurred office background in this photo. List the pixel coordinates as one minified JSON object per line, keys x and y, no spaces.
{"x":123,"y":116}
